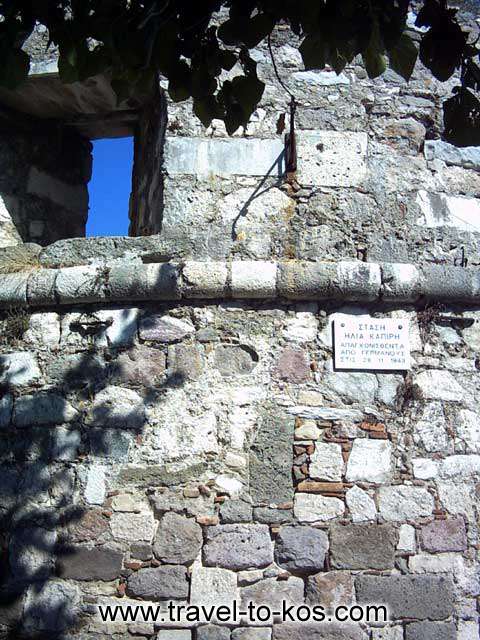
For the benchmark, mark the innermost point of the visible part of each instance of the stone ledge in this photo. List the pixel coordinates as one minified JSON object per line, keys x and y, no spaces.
{"x":126,"y":281}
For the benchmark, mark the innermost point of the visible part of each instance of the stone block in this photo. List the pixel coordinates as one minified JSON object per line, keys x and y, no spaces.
{"x":448,"y":283}
{"x":51,"y":608}
{"x":185,"y":362}
{"x":271,"y":458}
{"x":423,"y":597}
{"x":96,"y":485}
{"x":400,"y":282}
{"x":84,"y":563}
{"x":14,"y":290}
{"x":85,"y":283}
{"x":301,"y":550}
{"x":354,"y":281}
{"x":363,"y":546}
{"x":174,"y":634}
{"x":223,"y":157}
{"x":406,"y":539}
{"x":6,"y":408}
{"x":370,"y":461}
{"x":254,"y":279}
{"x":272,"y":592}
{"x":331,"y":158}
{"x":161,"y":583}
{"x":331,"y":414}
{"x":402,"y":502}
{"x":324,"y":631}
{"x":233,"y":360}
{"x":468,"y":429}
{"x":178,"y":539}
{"x":117,"y":407}
{"x":326,"y":463}
{"x":466,"y":157}
{"x":132,"y":281}
{"x":361,"y":506}
{"x":238,"y":547}
{"x":321,"y":78}
{"x":425,"y":468}
{"x":165,"y":329}
{"x":110,"y":443}
{"x":43,"y":330}
{"x":121,"y":325}
{"x":444,"y":535}
{"x":459,"y":466}
{"x":265,"y":515}
{"x":41,"y":287}
{"x":31,"y":553}
{"x":438,"y":385}
{"x":316,"y":508}
{"x":141,"y":365}
{"x":89,"y":527}
{"x":213,"y":632}
{"x":213,"y":586}
{"x":330,"y":589}
{"x":204,"y":279}
{"x":66,"y":444}
{"x":18,"y":369}
{"x":302,"y":328}
{"x":236,"y":511}
{"x":252,"y":633}
{"x":292,"y":366}
{"x":431,"y":631}
{"x":42,"y":409}
{"x":133,"y":526}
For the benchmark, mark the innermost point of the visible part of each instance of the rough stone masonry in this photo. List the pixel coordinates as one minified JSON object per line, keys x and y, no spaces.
{"x":172,"y":426}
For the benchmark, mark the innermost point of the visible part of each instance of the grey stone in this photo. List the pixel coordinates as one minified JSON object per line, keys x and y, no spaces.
{"x":110,"y":443}
{"x":141,"y":551}
{"x":14,"y":290}
{"x":117,"y":407}
{"x":185,"y":362}
{"x":354,"y":281}
{"x":301,"y":549}
{"x":252,"y":633}
{"x":85,"y":283}
{"x":238,"y":547}
{"x":18,"y":369}
{"x":254,"y":279}
{"x":233,"y":360}
{"x":363,"y":546}
{"x":431,"y":631}
{"x":76,"y":370}
{"x":265,"y":515}
{"x":204,"y":279}
{"x":41,"y":287}
{"x":6,"y":407}
{"x":331,"y":589}
{"x":213,"y":632}
{"x":52,"y":607}
{"x":178,"y":540}
{"x":84,"y":563}
{"x":162,"y":583}
{"x":31,"y":554}
{"x":466,"y":157}
{"x":42,"y":409}
{"x":271,"y":459}
{"x":131,"y":281}
{"x":141,"y":365}
{"x":272,"y":592}
{"x":292,"y":366}
{"x":444,"y":535}
{"x":324,"y":631}
{"x":65,"y":444}
{"x":423,"y":597}
{"x":235,"y":511}
{"x":404,"y":502}
{"x":222,"y":156}
{"x":164,"y":329}
{"x":326,"y":413}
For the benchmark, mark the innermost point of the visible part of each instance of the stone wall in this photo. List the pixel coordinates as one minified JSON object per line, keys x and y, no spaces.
{"x":206,"y":451}
{"x":375,"y":181}
{"x":44,"y":173}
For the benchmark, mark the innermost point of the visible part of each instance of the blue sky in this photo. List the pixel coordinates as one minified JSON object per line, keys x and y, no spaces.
{"x":110,"y":187}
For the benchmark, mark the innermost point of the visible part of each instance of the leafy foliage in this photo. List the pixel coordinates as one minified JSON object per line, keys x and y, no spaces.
{"x":194,"y":43}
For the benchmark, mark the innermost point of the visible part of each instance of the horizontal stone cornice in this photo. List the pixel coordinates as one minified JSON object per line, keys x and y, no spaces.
{"x":131,"y":281}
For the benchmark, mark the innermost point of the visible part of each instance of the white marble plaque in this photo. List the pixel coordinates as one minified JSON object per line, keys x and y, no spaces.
{"x":372,"y":344}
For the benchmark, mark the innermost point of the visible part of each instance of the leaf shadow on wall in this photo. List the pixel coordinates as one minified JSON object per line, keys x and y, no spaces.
{"x":38,"y":479}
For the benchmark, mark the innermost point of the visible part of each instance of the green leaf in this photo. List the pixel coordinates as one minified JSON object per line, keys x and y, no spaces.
{"x":257,"y":29}
{"x":375,"y":63}
{"x":227,"y":59}
{"x":461,"y":116}
{"x":14,"y":69}
{"x":403,"y":57}
{"x":180,"y":82}
{"x":67,"y":71}
{"x":206,"y":109}
{"x":442,"y":48}
{"x":313,"y":52}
